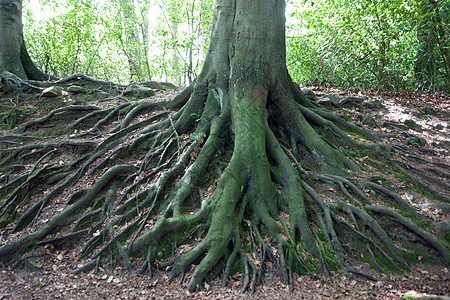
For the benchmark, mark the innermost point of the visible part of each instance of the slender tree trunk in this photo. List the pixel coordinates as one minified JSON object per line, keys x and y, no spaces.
{"x":135,"y":44}
{"x":444,"y":45}
{"x":425,"y":67}
{"x":131,"y":39}
{"x":14,"y":56}
{"x":176,"y":66}
{"x":432,"y":38}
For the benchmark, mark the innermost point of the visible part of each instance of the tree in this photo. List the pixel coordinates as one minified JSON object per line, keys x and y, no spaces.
{"x":229,"y":178}
{"x":181,"y":35}
{"x":432,"y":39}
{"x":14,"y":56}
{"x":135,"y":40}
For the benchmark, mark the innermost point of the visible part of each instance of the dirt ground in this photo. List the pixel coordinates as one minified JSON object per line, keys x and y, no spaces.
{"x":55,"y":281}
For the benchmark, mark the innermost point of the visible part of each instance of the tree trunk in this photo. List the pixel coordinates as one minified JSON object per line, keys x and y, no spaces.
{"x":14,"y":56}
{"x":425,"y":67}
{"x":443,"y":33}
{"x":432,"y":38}
{"x":135,"y":44}
{"x":177,"y":73}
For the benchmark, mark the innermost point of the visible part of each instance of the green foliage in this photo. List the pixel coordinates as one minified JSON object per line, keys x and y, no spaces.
{"x":78,"y":37}
{"x":196,"y":116}
{"x":365,"y":43}
{"x":446,"y":237}
{"x":119,"y":40}
{"x":181,"y":38}
{"x":395,"y":45}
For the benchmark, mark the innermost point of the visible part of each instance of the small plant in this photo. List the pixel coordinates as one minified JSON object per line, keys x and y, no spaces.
{"x":412,"y":142}
{"x":196,"y":116}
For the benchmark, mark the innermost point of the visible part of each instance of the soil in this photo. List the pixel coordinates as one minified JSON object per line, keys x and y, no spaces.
{"x":54,"y":281}
{"x":410,"y":123}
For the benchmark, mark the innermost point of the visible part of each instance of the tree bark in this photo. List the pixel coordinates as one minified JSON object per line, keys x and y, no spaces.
{"x":14,"y":56}
{"x":135,"y":27}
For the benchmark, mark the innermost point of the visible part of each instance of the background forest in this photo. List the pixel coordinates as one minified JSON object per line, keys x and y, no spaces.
{"x":399,"y":45}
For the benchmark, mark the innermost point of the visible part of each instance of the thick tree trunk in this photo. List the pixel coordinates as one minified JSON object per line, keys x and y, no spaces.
{"x":247,"y":63}
{"x":245,"y":80}
{"x":14,"y":56}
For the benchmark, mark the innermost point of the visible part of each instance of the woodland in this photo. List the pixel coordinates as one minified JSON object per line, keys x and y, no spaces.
{"x":225,"y":149}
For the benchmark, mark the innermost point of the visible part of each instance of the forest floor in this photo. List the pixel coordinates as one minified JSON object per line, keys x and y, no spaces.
{"x":407,"y":121}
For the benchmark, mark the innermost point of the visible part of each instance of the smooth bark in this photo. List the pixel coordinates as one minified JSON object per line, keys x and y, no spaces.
{"x":14,"y":56}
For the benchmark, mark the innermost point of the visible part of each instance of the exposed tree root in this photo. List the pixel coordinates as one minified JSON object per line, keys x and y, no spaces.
{"x":262,"y":207}
{"x":68,"y":109}
{"x":78,"y":76}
